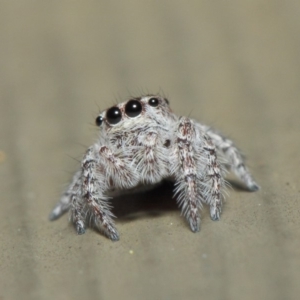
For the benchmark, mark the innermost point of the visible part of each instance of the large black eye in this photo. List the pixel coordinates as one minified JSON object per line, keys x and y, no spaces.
{"x":99,"y":120}
{"x":153,"y":102}
{"x":113,"y":115}
{"x":133,"y":108}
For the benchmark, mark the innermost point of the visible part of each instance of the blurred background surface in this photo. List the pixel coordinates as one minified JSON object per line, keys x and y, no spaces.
{"x":233,"y":64}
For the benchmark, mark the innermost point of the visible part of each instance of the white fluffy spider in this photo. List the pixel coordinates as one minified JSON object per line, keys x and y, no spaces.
{"x":142,"y":142}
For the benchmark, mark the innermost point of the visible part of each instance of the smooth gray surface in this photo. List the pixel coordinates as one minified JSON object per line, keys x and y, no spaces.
{"x":231,"y":64}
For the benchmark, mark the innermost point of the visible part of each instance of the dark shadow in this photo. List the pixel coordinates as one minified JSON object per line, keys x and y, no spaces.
{"x":151,"y":203}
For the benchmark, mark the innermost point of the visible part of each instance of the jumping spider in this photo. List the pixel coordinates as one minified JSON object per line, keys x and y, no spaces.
{"x":142,"y":142}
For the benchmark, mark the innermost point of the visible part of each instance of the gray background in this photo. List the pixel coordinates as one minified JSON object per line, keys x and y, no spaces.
{"x":231,"y":64}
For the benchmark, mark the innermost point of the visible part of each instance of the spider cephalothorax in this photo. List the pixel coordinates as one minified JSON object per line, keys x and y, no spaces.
{"x":142,"y":142}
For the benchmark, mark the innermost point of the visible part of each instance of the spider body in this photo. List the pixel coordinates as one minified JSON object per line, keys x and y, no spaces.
{"x":142,"y":142}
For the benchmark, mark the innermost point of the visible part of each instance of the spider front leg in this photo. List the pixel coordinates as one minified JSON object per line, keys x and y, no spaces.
{"x":185,"y":170}
{"x":198,"y":175}
{"x":94,"y":202}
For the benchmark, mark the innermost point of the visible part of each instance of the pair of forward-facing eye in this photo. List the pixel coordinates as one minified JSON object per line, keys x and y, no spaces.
{"x":133,"y":108}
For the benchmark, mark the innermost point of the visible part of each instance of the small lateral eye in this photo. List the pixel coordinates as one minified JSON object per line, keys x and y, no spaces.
{"x":133,"y":108}
{"x":153,"y":102}
{"x":99,"y":120}
{"x":113,"y":115}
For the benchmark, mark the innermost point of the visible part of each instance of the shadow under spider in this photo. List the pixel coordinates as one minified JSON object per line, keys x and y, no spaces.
{"x":151,"y":203}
